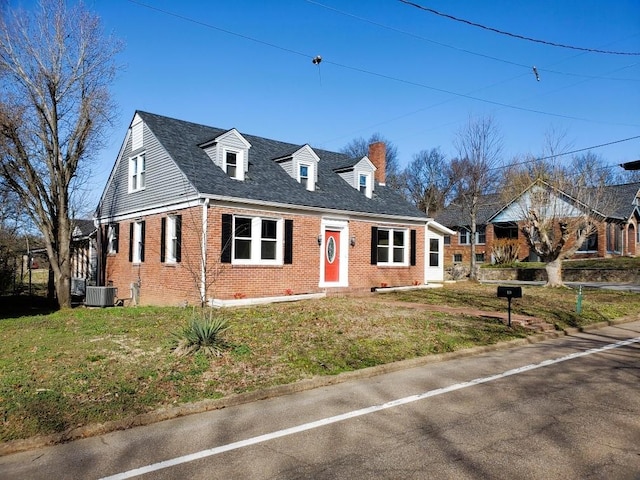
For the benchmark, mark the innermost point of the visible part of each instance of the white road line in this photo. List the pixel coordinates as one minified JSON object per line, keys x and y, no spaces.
{"x":357,"y":413}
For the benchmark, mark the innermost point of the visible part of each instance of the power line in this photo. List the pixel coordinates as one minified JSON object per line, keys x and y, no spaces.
{"x":368,"y":72}
{"x":589,"y":148}
{"x":464,"y":50}
{"x":515,"y":35}
{"x":550,"y":157}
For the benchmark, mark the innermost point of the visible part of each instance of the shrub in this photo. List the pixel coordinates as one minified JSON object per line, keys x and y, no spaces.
{"x":505,"y":250}
{"x":202,"y":334}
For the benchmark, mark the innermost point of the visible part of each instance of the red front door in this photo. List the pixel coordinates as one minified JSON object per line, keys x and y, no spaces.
{"x":331,"y":256}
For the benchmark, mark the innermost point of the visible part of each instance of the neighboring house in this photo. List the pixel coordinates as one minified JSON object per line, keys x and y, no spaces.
{"x":192,"y":213}
{"x":617,"y":234}
{"x":84,"y":256}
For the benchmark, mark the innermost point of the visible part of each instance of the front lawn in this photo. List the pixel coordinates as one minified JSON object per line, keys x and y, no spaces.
{"x":75,"y":367}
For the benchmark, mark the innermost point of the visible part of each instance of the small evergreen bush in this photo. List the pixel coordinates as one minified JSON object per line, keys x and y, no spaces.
{"x":202,"y":334}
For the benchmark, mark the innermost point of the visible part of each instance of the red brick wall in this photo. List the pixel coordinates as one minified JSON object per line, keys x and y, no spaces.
{"x":173,"y":284}
{"x":628,"y":240}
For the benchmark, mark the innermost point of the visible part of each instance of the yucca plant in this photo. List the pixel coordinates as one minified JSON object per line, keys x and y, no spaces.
{"x":202,"y":334}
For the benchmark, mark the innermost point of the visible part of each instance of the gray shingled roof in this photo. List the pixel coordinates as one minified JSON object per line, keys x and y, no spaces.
{"x":455,"y":215}
{"x":617,"y":203}
{"x":84,"y":227}
{"x":619,"y":200}
{"x":266,"y":180}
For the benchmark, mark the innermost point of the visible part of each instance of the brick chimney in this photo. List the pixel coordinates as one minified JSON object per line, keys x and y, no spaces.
{"x":377,"y":155}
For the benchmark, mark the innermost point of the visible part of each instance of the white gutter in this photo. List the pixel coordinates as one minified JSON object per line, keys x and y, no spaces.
{"x":305,"y":208}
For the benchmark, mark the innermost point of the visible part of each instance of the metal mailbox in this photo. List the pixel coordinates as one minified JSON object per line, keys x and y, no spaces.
{"x":509,"y":292}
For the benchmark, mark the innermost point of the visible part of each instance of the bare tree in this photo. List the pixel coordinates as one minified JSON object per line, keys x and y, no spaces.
{"x":557,"y":215}
{"x":479,"y":146}
{"x":427,"y":181}
{"x":359,"y":147}
{"x":55,"y":69}
{"x":590,"y":169}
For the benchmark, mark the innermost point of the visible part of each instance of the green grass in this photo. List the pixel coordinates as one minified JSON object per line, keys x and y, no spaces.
{"x":75,"y":367}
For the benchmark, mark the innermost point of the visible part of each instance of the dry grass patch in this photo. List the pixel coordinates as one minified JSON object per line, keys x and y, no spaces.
{"x":74,"y":367}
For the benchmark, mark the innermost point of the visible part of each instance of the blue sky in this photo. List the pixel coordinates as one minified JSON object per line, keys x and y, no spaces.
{"x":387,"y":67}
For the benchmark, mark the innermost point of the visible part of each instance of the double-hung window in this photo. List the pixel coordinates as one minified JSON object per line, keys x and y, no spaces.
{"x":392,"y":246}
{"x":136,"y":242}
{"x":365,"y":184}
{"x":481,"y":235}
{"x":257,"y":240}
{"x":307,"y":176}
{"x":171,"y":239}
{"x":304,"y":176}
{"x":137,"y":170}
{"x":112,"y":238}
{"x":464,"y":236}
{"x":231,"y":163}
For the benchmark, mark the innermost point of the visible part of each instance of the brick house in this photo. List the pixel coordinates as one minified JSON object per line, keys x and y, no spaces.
{"x":192,"y":213}
{"x":617,"y":234}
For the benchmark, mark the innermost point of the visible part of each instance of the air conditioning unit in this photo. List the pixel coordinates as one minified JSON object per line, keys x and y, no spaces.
{"x":100,"y":296}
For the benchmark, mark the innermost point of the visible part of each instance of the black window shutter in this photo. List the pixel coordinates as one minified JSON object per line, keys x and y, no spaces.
{"x":142,"y":241}
{"x":131,"y":241}
{"x":179,"y":238}
{"x":412,"y":253}
{"x":374,"y":245}
{"x":116,"y":236}
{"x":163,"y":238}
{"x":227,"y":229}
{"x":288,"y":242}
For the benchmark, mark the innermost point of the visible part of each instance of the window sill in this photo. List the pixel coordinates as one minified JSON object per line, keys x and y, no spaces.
{"x":249,"y":265}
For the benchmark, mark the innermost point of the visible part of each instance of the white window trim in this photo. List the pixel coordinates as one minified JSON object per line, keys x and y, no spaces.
{"x":239,"y":162}
{"x":467,"y":234}
{"x":311,"y":175}
{"x":256,"y":242}
{"x":369,"y":184}
{"x":134,"y":171}
{"x":343,"y":227}
{"x":137,"y":242}
{"x":170,"y":247}
{"x":391,"y":246}
{"x":111,"y":237}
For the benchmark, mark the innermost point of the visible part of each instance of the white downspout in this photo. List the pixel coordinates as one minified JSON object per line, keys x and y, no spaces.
{"x":203,"y":253}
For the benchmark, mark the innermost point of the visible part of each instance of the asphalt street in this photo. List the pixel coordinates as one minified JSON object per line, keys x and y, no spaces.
{"x":565,"y":408}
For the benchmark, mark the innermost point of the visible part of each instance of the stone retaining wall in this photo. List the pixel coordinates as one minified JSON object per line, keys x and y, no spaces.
{"x":568,"y":275}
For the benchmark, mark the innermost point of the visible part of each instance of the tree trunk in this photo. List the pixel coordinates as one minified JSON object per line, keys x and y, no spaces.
{"x":554,"y":273}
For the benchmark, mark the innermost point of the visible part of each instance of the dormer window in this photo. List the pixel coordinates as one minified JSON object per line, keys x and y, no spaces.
{"x":302,"y":166}
{"x":231,"y":164}
{"x":304,"y":176}
{"x":230,"y":152}
{"x":364,"y":184}
{"x":359,"y":175}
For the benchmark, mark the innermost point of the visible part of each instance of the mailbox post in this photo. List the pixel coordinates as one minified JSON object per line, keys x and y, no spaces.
{"x":509,"y":293}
